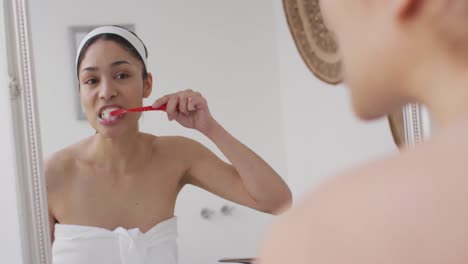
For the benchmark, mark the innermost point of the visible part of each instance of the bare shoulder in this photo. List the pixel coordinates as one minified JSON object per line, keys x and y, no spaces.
{"x":406,"y":208}
{"x":177,"y":145}
{"x":60,"y":165}
{"x":173,"y":140}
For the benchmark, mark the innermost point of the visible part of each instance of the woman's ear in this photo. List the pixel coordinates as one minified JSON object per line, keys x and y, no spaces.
{"x":148,"y":85}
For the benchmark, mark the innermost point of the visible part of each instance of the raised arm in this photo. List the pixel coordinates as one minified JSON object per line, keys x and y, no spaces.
{"x":248,"y":180}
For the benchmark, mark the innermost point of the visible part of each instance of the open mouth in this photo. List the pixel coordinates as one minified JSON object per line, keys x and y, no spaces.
{"x":105,"y":113}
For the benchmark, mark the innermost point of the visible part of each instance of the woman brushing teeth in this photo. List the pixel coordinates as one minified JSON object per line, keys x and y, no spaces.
{"x":124,"y":180}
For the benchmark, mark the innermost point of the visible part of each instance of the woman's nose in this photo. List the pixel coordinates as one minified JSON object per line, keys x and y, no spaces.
{"x":107,"y":91}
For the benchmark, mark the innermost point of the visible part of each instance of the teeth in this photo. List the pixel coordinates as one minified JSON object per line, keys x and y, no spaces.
{"x":105,"y":114}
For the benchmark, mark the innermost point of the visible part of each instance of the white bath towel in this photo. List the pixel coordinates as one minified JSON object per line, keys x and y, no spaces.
{"x":75,"y":244}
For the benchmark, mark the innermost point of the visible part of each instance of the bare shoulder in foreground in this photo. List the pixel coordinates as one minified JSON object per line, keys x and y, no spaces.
{"x":408,"y":208}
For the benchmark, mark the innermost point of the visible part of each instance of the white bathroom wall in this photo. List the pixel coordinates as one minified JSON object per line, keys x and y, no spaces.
{"x":322,"y":135}
{"x":10,"y":246}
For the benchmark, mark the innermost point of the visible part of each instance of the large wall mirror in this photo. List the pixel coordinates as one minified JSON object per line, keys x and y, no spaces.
{"x":240,"y":55}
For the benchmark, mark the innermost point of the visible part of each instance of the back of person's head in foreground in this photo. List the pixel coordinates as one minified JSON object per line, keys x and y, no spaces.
{"x":400,"y":51}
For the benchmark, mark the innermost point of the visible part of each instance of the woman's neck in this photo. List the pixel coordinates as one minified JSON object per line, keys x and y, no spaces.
{"x":443,"y":89}
{"x":119,"y":154}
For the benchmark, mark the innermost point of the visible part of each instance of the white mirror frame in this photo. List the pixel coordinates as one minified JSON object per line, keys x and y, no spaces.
{"x":415,"y":129}
{"x":31,"y":188}
{"x":30,"y":181}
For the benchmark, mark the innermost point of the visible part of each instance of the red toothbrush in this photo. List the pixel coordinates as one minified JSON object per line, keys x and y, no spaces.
{"x":137,"y":109}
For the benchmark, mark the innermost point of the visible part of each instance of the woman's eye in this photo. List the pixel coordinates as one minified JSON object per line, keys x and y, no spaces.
{"x":122,"y":76}
{"x":91,"y":81}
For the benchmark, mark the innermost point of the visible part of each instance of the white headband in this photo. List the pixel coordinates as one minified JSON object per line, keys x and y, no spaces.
{"x":124,"y":33}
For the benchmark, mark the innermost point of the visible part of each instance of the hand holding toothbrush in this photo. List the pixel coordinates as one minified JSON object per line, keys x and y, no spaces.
{"x":188,"y":108}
